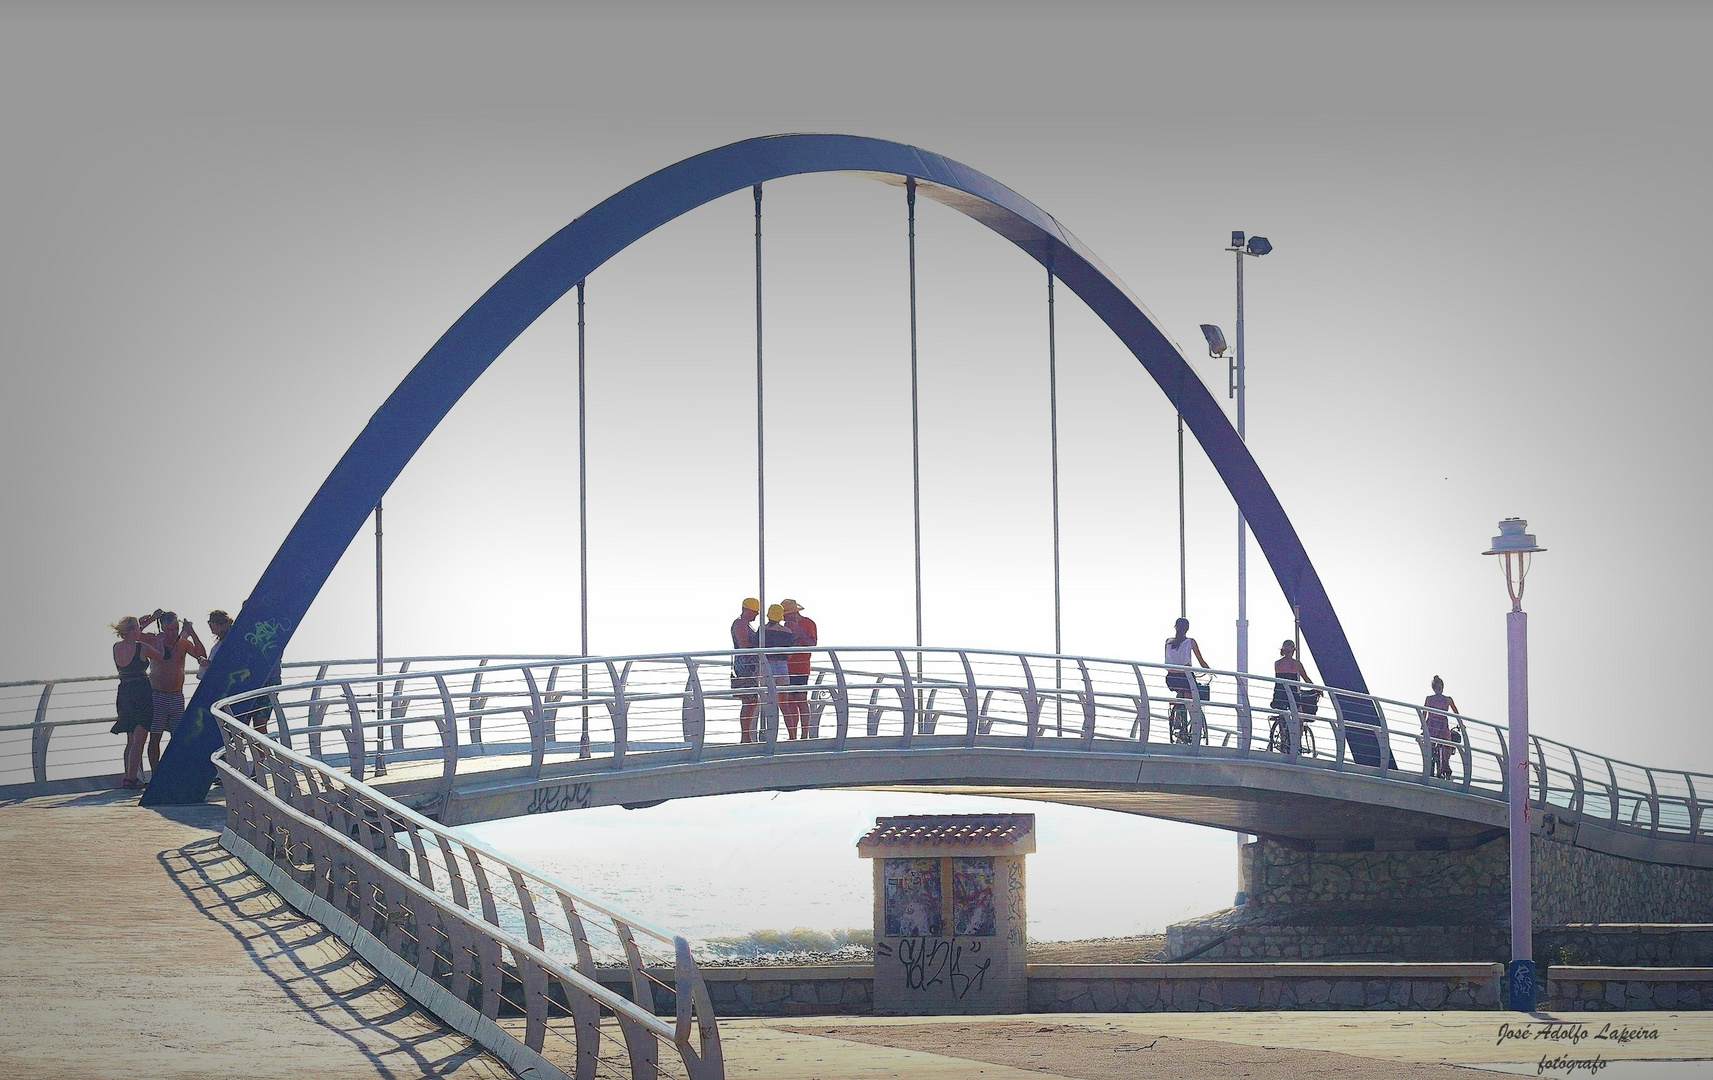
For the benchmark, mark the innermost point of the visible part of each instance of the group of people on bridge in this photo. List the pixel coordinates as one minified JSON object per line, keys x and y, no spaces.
{"x":150,"y":701}
{"x":1183,"y":653}
{"x":786,"y":633}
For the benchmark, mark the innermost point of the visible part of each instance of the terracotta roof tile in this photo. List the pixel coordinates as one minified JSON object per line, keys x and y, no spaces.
{"x":975,"y":829}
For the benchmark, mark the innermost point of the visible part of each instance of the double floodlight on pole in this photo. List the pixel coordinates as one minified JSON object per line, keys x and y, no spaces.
{"x":1253,"y":246}
{"x":1515,"y":547}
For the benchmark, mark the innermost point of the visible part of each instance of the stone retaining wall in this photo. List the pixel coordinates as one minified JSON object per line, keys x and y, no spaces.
{"x":1608,"y":988}
{"x":1232,"y":987}
{"x":1627,"y":944}
{"x":770,"y":991}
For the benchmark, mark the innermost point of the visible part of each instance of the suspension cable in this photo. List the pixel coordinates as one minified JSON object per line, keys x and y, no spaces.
{"x":1183,"y":558}
{"x":915,"y":412}
{"x":583,"y":509}
{"x":760,"y":434}
{"x":1053,"y":410}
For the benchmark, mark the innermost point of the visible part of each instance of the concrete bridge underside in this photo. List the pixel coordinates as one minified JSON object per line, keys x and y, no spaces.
{"x":1327,"y":809}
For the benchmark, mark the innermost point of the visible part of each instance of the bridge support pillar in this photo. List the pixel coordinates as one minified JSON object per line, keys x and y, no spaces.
{"x":1430,"y":901}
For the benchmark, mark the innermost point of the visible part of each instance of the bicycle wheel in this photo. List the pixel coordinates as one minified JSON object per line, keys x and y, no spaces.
{"x":1308,"y":741}
{"x":1276,"y":737}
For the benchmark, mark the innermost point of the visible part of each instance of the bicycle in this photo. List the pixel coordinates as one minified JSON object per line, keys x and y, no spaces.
{"x":1279,"y":737}
{"x":1178,"y":716}
{"x":1279,"y":730}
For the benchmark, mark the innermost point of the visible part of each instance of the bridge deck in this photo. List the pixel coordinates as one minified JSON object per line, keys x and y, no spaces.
{"x":135,"y":946}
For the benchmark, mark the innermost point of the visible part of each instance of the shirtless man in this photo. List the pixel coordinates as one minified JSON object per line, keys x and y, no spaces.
{"x":167,"y":651}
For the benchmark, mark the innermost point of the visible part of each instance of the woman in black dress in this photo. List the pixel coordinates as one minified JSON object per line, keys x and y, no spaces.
{"x":134,"y":703}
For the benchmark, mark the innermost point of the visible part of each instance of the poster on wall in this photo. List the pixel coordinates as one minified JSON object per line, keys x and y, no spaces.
{"x":972,"y":897}
{"x":911,"y":897}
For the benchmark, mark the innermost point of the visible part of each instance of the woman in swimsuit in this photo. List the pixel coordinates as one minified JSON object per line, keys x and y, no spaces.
{"x":135,"y":702}
{"x":1179,"y":648}
{"x":1437,"y":727}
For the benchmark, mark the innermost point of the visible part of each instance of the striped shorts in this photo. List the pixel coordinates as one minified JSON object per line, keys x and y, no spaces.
{"x":169,"y":708}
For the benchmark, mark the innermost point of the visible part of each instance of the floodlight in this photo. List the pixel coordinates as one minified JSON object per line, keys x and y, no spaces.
{"x":1215,"y":339}
{"x":1259,"y":245}
{"x":1236,"y":239}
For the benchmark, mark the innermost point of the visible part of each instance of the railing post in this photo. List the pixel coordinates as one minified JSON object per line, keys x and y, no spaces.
{"x":448,"y":744}
{"x":706,"y":1061}
{"x":841,"y":700}
{"x":355,"y":744}
{"x":1339,"y":744}
{"x":695,"y":717}
{"x":1031,"y":704}
{"x":537,"y":729}
{"x":40,"y":733}
{"x":399,"y":707}
{"x":585,"y":1012}
{"x":1612,"y":792}
{"x":1245,"y":716}
{"x":644,"y":1051}
{"x":477,"y":702}
{"x":1653,"y":803}
{"x":767,"y":716}
{"x":1293,"y":726}
{"x":1576,"y":791}
{"x":1542,"y":776}
{"x":1143,"y":728}
{"x":972,"y":707}
{"x":1504,"y":758}
{"x":317,"y":712}
{"x":551,"y":699}
{"x":619,"y":710}
{"x":1088,"y":705}
{"x":907,"y":699}
{"x":1694,"y":810}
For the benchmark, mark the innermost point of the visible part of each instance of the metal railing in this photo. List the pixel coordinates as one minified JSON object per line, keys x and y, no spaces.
{"x":54,"y":733}
{"x":460,"y":715}
{"x":454,"y":723}
{"x":510,"y":957}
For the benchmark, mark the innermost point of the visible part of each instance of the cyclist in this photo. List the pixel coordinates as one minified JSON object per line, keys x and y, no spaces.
{"x":1288,"y":668}
{"x":1180,"y":648}
{"x":1437,"y":727}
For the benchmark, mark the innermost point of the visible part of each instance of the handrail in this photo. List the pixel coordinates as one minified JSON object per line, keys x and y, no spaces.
{"x":339,"y":841}
{"x":648,"y":701}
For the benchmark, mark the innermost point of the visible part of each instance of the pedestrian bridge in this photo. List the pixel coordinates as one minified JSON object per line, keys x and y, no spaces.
{"x":474,"y":739}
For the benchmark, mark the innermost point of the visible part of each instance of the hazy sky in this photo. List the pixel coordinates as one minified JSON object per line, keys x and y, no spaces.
{"x":226,"y":237}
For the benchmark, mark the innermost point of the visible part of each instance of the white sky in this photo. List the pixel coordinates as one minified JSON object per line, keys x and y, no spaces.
{"x":227,"y":237}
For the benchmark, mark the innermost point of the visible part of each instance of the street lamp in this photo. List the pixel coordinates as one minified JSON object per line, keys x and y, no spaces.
{"x":1254,"y":247}
{"x":1515,"y":548}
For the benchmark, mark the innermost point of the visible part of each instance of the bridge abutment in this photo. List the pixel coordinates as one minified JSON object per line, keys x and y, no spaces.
{"x":1434,"y":902}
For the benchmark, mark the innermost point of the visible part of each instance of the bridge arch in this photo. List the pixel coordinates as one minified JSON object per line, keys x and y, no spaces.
{"x":404,"y":421}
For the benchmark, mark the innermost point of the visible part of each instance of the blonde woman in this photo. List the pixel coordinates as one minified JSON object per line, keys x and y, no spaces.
{"x":135,"y":701}
{"x":1437,"y":727}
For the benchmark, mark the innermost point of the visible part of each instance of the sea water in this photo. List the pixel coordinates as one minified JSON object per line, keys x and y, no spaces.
{"x":759,"y":866}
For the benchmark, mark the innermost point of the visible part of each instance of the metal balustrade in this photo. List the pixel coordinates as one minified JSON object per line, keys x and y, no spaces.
{"x":54,"y":732}
{"x":453,"y":718}
{"x":508,"y":956}
{"x":454,"y":723}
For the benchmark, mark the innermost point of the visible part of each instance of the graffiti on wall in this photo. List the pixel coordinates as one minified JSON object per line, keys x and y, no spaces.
{"x":972,"y":897}
{"x":930,"y":962}
{"x":911,"y":897}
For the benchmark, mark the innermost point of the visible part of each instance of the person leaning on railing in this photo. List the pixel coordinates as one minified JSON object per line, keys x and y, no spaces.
{"x":255,"y":712}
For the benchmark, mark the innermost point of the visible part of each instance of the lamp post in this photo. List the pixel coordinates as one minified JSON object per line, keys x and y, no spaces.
{"x":1253,"y":247}
{"x":1514,"y":548}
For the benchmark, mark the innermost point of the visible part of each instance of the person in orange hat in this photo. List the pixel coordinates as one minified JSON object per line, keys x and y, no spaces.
{"x":795,"y":703}
{"x":746,"y":669}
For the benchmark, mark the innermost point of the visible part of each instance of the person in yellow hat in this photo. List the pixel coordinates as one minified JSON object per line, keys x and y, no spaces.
{"x":746,"y":669}
{"x":777,"y":639}
{"x":795,"y":703}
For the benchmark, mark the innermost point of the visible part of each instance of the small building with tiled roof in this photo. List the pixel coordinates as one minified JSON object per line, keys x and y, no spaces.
{"x":950,"y":922}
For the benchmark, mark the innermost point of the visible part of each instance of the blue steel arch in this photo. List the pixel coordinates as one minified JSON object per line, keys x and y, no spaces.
{"x":403,"y":422}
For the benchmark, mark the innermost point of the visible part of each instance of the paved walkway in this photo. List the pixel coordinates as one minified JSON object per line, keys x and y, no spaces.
{"x":132,"y":946}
